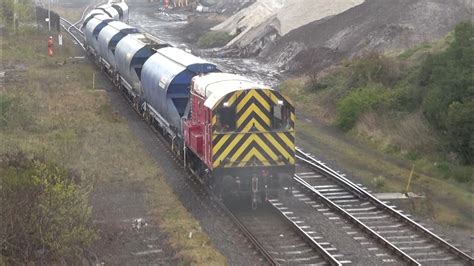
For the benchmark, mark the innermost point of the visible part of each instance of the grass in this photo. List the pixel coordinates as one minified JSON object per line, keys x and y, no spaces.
{"x":387,"y":174}
{"x":385,"y":140}
{"x":74,"y":125}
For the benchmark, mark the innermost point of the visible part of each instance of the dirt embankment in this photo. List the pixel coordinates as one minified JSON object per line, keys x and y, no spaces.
{"x":374,"y":26}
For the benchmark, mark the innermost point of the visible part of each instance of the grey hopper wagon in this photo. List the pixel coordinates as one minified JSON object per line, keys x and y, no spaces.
{"x":108,"y":39}
{"x":110,"y":11}
{"x":92,"y":30}
{"x":122,"y":10}
{"x":131,"y":54}
{"x":166,"y":79}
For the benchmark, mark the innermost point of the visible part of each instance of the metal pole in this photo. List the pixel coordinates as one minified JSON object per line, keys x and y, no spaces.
{"x":49,"y":15}
{"x":409,"y":179}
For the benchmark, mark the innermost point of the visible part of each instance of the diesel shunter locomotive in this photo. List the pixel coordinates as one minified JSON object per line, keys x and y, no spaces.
{"x":237,"y":135}
{"x":240,"y":133}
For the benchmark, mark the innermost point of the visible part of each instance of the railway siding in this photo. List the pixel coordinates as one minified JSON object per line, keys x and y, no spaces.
{"x":394,"y":230}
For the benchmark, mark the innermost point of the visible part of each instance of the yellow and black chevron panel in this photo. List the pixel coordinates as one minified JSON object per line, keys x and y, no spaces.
{"x":254,"y":149}
{"x":253,"y":142}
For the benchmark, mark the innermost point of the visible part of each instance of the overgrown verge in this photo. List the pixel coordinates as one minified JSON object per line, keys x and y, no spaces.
{"x":49,"y":110}
{"x":45,"y":212}
{"x":416,"y":106}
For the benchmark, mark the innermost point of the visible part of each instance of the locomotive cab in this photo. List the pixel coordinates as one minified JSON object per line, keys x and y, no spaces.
{"x":241,"y":134}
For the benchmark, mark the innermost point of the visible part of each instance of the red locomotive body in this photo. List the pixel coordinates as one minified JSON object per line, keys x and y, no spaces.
{"x":239,"y":135}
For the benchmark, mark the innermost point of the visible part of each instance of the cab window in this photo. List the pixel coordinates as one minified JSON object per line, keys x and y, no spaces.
{"x":280,"y":119}
{"x":225,"y":120}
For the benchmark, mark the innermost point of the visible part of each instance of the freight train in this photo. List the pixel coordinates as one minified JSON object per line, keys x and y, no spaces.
{"x":237,"y":135}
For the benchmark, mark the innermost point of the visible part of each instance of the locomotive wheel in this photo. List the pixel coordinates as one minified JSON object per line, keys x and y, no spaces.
{"x":147,"y":117}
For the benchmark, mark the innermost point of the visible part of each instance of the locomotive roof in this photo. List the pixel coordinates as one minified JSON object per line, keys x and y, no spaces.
{"x":214,"y":86}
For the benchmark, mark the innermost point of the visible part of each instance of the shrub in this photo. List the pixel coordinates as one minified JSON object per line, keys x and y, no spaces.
{"x":44,"y":211}
{"x":449,"y":81}
{"x":214,"y":39}
{"x":374,"y":68}
{"x":357,"y":102}
{"x":460,"y":129}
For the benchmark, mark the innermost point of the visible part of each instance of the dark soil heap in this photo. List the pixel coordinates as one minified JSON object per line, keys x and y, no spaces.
{"x":374,"y":26}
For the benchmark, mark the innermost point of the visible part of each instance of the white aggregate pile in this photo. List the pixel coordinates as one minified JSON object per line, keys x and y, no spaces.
{"x":251,"y":16}
{"x":284,"y":15}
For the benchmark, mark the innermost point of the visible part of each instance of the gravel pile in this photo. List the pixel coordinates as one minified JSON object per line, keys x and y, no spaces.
{"x":281,"y":15}
{"x":374,"y":26}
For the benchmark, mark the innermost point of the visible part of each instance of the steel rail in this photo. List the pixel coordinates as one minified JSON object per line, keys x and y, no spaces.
{"x":400,"y":216}
{"x":249,"y":235}
{"x":338,"y":177}
{"x":315,"y":245}
{"x":82,"y":17}
{"x":71,"y":34}
{"x":357,"y":222}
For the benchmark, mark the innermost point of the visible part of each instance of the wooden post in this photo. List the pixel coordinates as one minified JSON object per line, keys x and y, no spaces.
{"x":409,"y":179}
{"x":93,"y":80}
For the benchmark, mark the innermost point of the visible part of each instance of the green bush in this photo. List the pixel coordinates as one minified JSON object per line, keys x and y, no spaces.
{"x":214,"y":39}
{"x":45,"y":212}
{"x":373,"y":68}
{"x":357,"y":102}
{"x":460,"y":129}
{"x":448,"y":78}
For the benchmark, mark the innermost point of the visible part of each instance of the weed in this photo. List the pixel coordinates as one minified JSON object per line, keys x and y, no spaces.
{"x":214,"y":39}
{"x":14,"y":113}
{"x":379,"y":182}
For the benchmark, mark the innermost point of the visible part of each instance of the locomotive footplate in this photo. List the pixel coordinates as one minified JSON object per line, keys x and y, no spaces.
{"x":256,"y":183}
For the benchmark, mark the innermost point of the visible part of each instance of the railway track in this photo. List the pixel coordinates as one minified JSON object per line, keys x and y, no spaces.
{"x":375,"y":219}
{"x":285,"y":238}
{"x":403,"y":237}
{"x":74,"y":31}
{"x":77,"y":35}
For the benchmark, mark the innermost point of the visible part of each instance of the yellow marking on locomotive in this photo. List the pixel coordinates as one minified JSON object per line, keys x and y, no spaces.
{"x":274,"y":98}
{"x":253,"y":138}
{"x":273,"y":147}
{"x":277,"y":145}
{"x":253,"y":109}
{"x":234,"y":97}
{"x":252,"y":94}
{"x":228,"y":148}
{"x":254,"y":153}
{"x":287,"y":141}
{"x":218,"y":145}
